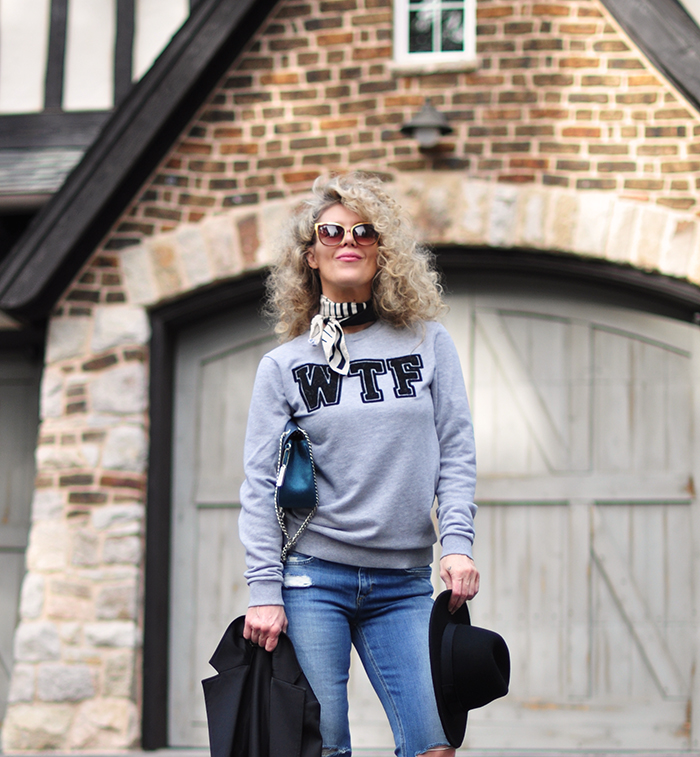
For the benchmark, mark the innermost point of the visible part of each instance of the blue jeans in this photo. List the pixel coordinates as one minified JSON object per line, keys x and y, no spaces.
{"x":385,"y":613}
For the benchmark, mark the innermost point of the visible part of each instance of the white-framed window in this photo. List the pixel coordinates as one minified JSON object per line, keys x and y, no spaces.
{"x":433,"y":32}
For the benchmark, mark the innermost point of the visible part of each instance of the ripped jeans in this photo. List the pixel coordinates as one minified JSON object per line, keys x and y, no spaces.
{"x":385,"y":614}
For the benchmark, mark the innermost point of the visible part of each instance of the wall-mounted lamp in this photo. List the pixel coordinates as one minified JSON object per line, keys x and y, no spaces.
{"x":427,"y":126}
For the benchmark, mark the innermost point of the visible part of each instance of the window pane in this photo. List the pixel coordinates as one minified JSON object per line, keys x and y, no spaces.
{"x":420,"y":38}
{"x":453,"y":31}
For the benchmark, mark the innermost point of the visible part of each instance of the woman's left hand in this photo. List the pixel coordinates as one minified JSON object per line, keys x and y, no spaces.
{"x":460,"y":576}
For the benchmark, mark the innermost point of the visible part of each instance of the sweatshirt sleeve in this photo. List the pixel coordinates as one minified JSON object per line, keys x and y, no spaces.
{"x":457,"y":478}
{"x":258,"y":527}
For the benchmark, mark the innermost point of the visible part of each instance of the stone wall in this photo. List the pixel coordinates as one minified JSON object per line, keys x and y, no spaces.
{"x":77,"y":648}
{"x":565,"y":140}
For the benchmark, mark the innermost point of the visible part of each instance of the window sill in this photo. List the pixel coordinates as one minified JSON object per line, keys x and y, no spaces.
{"x":425,"y":68}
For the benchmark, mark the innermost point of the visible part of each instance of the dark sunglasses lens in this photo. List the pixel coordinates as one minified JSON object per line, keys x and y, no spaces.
{"x":330,"y":233}
{"x":365,"y":234}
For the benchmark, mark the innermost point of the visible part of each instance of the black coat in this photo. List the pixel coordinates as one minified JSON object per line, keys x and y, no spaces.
{"x":260,"y":703}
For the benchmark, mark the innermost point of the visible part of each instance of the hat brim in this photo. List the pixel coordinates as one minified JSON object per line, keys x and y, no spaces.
{"x":455,"y":724}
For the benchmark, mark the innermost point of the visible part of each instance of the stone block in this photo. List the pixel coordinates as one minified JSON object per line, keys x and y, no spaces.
{"x":85,"y":548}
{"x":165,"y":261}
{"x":47,"y":546}
{"x":593,"y":223}
{"x":116,"y":603}
{"x":474,"y":214}
{"x":532,"y":219}
{"x":139,"y":279}
{"x":122,"y":549}
{"x":67,"y":338}
{"x":192,"y":251}
{"x":22,"y":684}
{"x":126,"y":518}
{"x":117,"y":325}
{"x":69,"y":600}
{"x":105,"y":724}
{"x":47,"y":504}
{"x":681,"y":247}
{"x":36,"y":727}
{"x":274,"y":216}
{"x":623,"y":228}
{"x":114,"y":633}
{"x":654,"y":227}
{"x":65,"y":683}
{"x":51,"y":403}
{"x":118,"y":678}
{"x":222,"y":246}
{"x":502,"y":216}
{"x":32,"y":597}
{"x":37,"y":642}
{"x":52,"y":457}
{"x":125,"y":448}
{"x":564,"y":215}
{"x":122,"y":390}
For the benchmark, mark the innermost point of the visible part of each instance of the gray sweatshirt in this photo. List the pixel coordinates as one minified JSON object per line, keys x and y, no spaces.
{"x":387,"y":438}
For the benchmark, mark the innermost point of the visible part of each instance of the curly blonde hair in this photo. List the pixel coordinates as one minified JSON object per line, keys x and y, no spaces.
{"x":406,"y":288}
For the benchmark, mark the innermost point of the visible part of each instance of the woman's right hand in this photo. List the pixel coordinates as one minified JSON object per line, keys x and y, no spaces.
{"x":264,"y":624}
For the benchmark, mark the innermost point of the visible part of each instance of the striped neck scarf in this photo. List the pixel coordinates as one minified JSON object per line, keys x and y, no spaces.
{"x":326,"y":327}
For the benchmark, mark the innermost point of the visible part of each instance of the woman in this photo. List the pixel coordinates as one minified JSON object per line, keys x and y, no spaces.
{"x":382,"y":398}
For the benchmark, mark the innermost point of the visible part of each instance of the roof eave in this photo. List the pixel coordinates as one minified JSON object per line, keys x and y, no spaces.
{"x":127,"y":151}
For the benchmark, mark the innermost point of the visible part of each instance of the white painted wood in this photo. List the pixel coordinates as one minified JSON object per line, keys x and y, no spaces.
{"x":18,"y":426}
{"x":24,"y":35}
{"x":580,"y":411}
{"x":90,"y":39}
{"x":630,"y":599}
{"x":156,"y":22}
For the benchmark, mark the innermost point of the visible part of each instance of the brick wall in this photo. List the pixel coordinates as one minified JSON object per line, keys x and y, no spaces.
{"x":559,"y":97}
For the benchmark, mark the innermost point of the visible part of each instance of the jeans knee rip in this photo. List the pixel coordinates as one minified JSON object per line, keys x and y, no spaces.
{"x":297,"y":582}
{"x":332,"y":751}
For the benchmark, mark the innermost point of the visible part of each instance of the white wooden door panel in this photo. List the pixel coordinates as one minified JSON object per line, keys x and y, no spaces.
{"x":584,"y":426}
{"x":18,"y":426}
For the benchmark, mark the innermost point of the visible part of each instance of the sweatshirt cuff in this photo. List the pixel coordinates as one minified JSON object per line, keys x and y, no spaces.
{"x":265,"y":593}
{"x":456,"y":545}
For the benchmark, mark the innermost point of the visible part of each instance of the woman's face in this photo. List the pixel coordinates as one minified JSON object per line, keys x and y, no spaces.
{"x":346,"y":271}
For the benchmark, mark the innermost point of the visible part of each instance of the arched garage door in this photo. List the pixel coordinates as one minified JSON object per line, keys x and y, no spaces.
{"x":584,"y":415}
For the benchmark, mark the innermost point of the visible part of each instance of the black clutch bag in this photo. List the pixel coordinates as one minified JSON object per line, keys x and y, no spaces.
{"x":295,"y":487}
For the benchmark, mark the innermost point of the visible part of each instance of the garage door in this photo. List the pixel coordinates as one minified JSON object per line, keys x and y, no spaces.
{"x":19,"y":395}
{"x":584,"y":417}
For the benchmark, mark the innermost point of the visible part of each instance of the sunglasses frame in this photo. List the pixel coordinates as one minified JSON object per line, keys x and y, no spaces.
{"x":345,"y":231}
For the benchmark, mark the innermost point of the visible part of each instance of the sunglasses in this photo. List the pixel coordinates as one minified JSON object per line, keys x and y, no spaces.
{"x":332,"y":234}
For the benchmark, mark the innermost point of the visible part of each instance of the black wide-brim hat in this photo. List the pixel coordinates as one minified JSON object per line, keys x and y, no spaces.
{"x":470,"y":666}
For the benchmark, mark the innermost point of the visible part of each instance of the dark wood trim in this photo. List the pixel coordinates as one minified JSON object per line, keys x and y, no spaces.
{"x":165,"y":323}
{"x":138,"y":135}
{"x":650,"y":292}
{"x":55,"y":63}
{"x":124,"y":50}
{"x":668,"y":36}
{"x":43,"y":130}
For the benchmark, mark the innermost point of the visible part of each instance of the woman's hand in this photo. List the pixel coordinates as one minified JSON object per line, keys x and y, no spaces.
{"x":461,"y":576}
{"x":264,"y":624}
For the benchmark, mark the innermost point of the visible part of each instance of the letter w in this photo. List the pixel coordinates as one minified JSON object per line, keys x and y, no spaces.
{"x":318,"y":385}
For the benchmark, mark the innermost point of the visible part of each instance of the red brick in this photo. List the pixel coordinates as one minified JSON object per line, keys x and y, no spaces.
{"x":498,"y":11}
{"x":370,"y":53}
{"x":582,"y":132}
{"x":234,"y":148}
{"x":681,"y":166}
{"x":582,"y":29}
{"x":549,"y":9}
{"x":573,"y":62}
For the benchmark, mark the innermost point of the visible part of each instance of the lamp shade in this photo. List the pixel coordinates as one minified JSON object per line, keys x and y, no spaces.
{"x":427,"y":126}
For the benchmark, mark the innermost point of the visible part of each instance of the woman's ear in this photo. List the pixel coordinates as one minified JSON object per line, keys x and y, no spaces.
{"x":311,"y":259}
